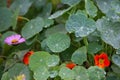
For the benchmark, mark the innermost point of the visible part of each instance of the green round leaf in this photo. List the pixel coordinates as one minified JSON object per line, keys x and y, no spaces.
{"x":5,"y":76}
{"x":32,"y":27}
{"x":80,"y":73}
{"x":70,"y":2}
{"x":41,"y":73}
{"x":94,"y":47}
{"x":52,"y":60}
{"x":23,"y":5}
{"x":38,"y":59}
{"x":96,"y":73}
{"x":80,"y":24}
{"x":90,"y":8}
{"x":19,"y":69}
{"x":110,"y":32}
{"x":66,"y":74}
{"x":5,"y":19}
{"x":79,"y":56}
{"x":116,"y":59}
{"x":58,"y":42}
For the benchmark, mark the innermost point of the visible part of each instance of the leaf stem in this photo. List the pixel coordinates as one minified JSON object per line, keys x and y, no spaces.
{"x":85,"y":41}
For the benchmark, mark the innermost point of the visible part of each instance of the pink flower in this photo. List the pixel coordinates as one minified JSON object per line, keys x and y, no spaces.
{"x":14,"y":39}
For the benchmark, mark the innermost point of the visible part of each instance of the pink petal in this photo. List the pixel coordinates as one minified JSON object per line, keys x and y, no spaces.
{"x":21,"y":40}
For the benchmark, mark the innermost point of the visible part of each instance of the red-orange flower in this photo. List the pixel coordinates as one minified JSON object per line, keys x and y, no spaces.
{"x":26,"y":57}
{"x":102,"y":60}
{"x":70,"y":65}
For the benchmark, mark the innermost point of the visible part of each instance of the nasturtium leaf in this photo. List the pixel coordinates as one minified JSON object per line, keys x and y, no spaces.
{"x":59,"y":13}
{"x":44,"y":46}
{"x":52,"y":61}
{"x":32,"y":27}
{"x":112,"y":76}
{"x":22,"y":5}
{"x":70,"y":2}
{"x":110,"y":32}
{"x":116,"y":59}
{"x":15,"y":19}
{"x":38,"y":59}
{"x":19,"y":69}
{"x":91,"y":9}
{"x":47,"y":9}
{"x":55,"y":29}
{"x":96,"y":73}
{"x":94,"y":47}
{"x":111,"y":8}
{"x":5,"y":76}
{"x":104,"y":5}
{"x":41,"y":73}
{"x":115,"y":69}
{"x":80,"y":73}
{"x":118,"y":51}
{"x":58,"y":42}
{"x":66,"y":74}
{"x":48,"y":22}
{"x":79,"y":56}
{"x":5,"y":18}
{"x":80,"y":24}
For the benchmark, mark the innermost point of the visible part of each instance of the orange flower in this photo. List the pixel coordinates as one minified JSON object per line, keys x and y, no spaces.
{"x":70,"y":65}
{"x":102,"y":60}
{"x":26,"y":57}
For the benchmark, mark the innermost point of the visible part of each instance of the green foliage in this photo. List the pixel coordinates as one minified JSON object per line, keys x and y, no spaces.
{"x":79,"y":56}
{"x":58,"y":42}
{"x":66,"y":37}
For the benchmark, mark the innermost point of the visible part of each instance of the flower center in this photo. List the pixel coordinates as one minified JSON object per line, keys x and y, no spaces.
{"x":14,"y":41}
{"x":101,"y":61}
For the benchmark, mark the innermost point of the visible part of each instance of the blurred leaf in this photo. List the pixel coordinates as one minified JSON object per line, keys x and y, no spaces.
{"x":116,"y":59}
{"x":52,"y":61}
{"x":44,"y":46}
{"x":19,"y":69}
{"x":94,"y":47}
{"x":48,"y":22}
{"x":5,"y":76}
{"x":96,"y":73}
{"x":80,"y":73}
{"x":59,"y":13}
{"x":15,"y":19}
{"x":118,"y":51}
{"x":66,"y":74}
{"x":3,"y":3}
{"x":70,"y":2}
{"x":32,"y":27}
{"x":109,"y":31}
{"x":41,"y":73}
{"x":5,"y":19}
{"x":55,"y":29}
{"x":58,"y":42}
{"x":91,"y":8}
{"x":80,"y":24}
{"x":80,"y":55}
{"x":22,"y":5}
{"x":46,"y":11}
{"x":112,"y":76}
{"x":111,"y":8}
{"x":38,"y":59}
{"x":115,"y":69}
